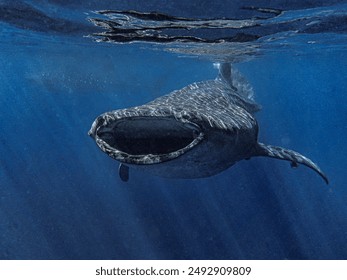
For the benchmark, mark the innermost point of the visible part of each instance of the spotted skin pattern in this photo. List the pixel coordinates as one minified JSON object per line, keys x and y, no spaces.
{"x":223,"y":110}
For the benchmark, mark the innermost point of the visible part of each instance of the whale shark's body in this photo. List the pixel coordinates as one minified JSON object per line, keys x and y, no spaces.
{"x":195,"y":132}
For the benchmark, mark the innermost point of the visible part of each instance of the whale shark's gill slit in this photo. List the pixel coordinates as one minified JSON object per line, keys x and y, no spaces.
{"x":143,"y":136}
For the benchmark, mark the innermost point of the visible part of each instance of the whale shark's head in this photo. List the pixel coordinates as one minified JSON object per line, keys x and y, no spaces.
{"x":145,"y":139}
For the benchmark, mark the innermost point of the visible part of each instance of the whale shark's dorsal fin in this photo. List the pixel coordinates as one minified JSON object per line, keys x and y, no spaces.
{"x":294,"y":157}
{"x":235,"y":80}
{"x":123,"y":172}
{"x":225,"y":74}
{"x":238,"y":84}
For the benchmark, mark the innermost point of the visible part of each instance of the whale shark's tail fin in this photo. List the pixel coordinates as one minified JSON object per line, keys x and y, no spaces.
{"x":292,"y":156}
{"x":238,"y":84}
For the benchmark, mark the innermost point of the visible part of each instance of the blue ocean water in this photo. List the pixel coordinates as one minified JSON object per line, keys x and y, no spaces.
{"x":61,"y":197}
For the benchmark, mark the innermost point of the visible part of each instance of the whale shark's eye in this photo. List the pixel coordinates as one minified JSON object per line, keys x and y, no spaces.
{"x":149,"y":135}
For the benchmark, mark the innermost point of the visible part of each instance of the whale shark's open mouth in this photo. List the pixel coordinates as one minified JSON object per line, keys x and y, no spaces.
{"x":146,"y":140}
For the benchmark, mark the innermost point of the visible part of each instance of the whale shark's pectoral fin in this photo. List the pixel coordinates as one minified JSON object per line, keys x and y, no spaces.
{"x":123,"y":172}
{"x":294,"y":157}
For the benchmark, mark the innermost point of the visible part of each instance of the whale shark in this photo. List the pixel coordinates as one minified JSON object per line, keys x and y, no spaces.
{"x":195,"y":132}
